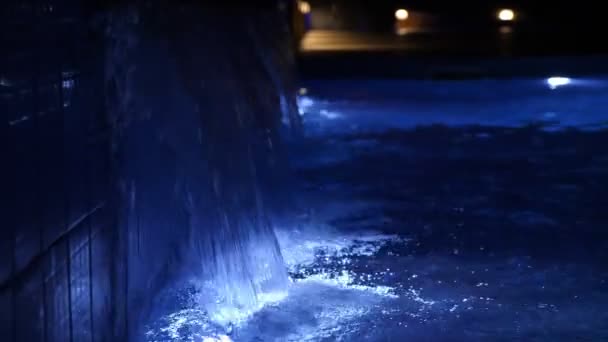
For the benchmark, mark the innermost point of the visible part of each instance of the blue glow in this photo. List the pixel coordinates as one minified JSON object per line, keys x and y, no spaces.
{"x":329,"y":114}
{"x":304,"y":103}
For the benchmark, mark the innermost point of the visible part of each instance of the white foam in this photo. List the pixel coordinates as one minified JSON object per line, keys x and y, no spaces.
{"x":232,"y":315}
{"x":316,"y":255}
{"x":415,"y":296}
{"x":182,"y":320}
{"x":346,"y":280}
{"x":220,"y":338}
{"x":303,"y":247}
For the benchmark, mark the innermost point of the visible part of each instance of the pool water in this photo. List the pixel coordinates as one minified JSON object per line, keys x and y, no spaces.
{"x":437,"y":211}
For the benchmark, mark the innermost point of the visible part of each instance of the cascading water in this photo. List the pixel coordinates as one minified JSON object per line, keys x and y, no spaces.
{"x":197,"y":124}
{"x":240,"y":261}
{"x":241,"y":264}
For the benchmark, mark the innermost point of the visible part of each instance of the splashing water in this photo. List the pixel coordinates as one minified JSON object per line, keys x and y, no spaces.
{"x":328,"y":294}
{"x":240,"y":274}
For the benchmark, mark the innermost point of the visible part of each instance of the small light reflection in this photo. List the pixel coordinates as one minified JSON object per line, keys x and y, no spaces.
{"x":550,"y":115}
{"x":402,"y":31}
{"x":506,"y":29}
{"x":329,"y":115}
{"x":18,"y":120}
{"x":557,"y":81}
{"x":4,"y":82}
{"x":304,"y":103}
{"x":68,"y":84}
{"x":303,"y":91}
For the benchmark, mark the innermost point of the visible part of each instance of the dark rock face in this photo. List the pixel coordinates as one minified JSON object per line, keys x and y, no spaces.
{"x":157,"y":155}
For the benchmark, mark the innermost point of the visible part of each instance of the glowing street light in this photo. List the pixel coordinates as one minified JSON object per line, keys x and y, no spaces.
{"x":401,"y":14}
{"x":304,"y":7}
{"x":506,"y":14}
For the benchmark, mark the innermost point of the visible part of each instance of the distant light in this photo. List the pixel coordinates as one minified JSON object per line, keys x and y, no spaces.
{"x":506,"y":15}
{"x":557,"y":81}
{"x":303,"y":91}
{"x":304,"y":7}
{"x":401,"y":14}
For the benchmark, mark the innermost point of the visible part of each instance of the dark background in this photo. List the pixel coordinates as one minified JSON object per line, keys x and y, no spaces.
{"x":551,"y":16}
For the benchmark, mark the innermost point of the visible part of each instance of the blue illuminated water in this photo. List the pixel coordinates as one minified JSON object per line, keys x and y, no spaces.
{"x":429,"y":211}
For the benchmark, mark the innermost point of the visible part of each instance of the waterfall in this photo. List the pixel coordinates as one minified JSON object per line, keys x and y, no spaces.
{"x":198,"y":120}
